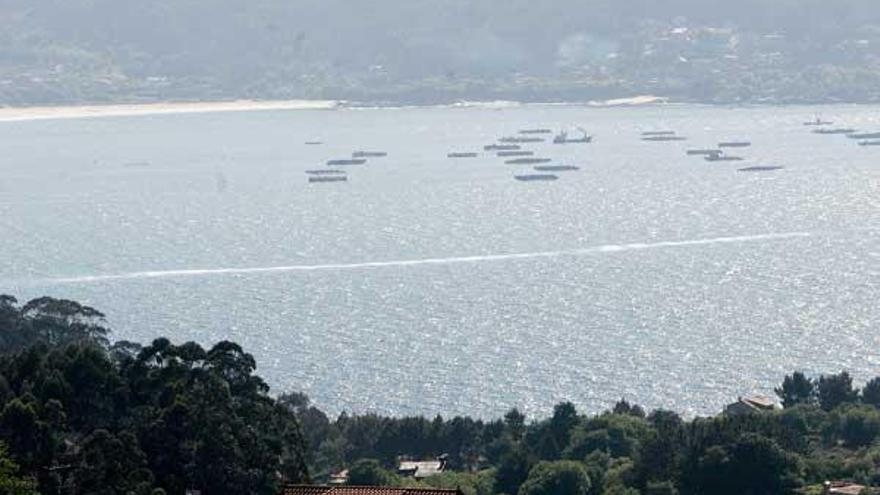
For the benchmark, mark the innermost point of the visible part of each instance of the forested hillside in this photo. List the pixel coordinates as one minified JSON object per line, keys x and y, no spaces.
{"x":425,"y":51}
{"x":79,"y":414}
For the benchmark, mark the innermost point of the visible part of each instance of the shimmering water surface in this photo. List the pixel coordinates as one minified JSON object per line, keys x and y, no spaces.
{"x":431,"y":285}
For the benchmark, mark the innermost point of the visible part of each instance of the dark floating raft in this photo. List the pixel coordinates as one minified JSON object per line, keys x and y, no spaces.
{"x":556,"y":168}
{"x":761,"y":168}
{"x":348,"y":161}
{"x":520,"y":139}
{"x":325,"y":171}
{"x":735,"y":144}
{"x":501,"y":147}
{"x":834,"y":131}
{"x":704,"y":152}
{"x":462,"y":155}
{"x":369,"y":154}
{"x":658,"y":133}
{"x":659,"y":138}
{"x":314,"y":143}
{"x":818,"y":121}
{"x":528,"y":161}
{"x":864,"y":135}
{"x":328,"y":178}
{"x":536,"y":131}
{"x":515,"y":153}
{"x":723,"y":158}
{"x":536,"y":177}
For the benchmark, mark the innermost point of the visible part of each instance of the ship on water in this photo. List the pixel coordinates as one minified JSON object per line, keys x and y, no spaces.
{"x":562,"y":138}
{"x":818,"y":122}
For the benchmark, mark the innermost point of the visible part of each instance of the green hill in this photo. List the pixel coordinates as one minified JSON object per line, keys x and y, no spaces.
{"x":423,"y":51}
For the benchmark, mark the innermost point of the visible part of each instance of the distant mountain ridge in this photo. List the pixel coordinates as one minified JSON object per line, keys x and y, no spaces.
{"x":430,"y":51}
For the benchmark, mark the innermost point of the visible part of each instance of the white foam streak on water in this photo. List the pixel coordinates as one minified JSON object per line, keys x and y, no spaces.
{"x":609,"y":248}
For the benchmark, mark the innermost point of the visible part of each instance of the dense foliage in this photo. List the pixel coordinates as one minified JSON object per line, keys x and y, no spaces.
{"x":11,"y":483}
{"x":426,"y":50}
{"x":623,"y":451}
{"x":79,"y":416}
{"x":828,"y":430}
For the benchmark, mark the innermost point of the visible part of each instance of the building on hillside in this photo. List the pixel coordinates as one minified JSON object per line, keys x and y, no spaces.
{"x":339,"y":478}
{"x":749,"y":405}
{"x":421,"y":469}
{"x":363,"y":490}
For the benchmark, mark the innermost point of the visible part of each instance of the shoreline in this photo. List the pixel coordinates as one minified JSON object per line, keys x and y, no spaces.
{"x":25,"y":114}
{"x":86,"y":111}
{"x":64,"y":112}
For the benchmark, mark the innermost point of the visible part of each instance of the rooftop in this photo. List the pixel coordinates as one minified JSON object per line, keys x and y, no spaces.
{"x":420,"y":469}
{"x":843,"y":488}
{"x":363,"y":490}
{"x":760,"y":401}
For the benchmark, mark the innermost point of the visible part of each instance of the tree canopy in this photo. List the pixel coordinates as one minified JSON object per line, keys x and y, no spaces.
{"x":79,"y":414}
{"x":557,"y":478}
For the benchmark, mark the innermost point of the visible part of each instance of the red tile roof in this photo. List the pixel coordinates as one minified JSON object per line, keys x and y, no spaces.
{"x":363,"y":490}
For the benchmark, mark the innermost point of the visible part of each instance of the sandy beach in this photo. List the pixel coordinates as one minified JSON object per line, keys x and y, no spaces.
{"x":18,"y":114}
{"x":23,"y":114}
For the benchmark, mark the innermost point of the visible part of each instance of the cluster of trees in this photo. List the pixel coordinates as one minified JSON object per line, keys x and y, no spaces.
{"x":78,"y":415}
{"x":410,"y":50}
{"x":827,"y":429}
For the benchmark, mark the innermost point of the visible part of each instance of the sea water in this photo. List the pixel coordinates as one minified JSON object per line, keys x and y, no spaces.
{"x":428,"y":285}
